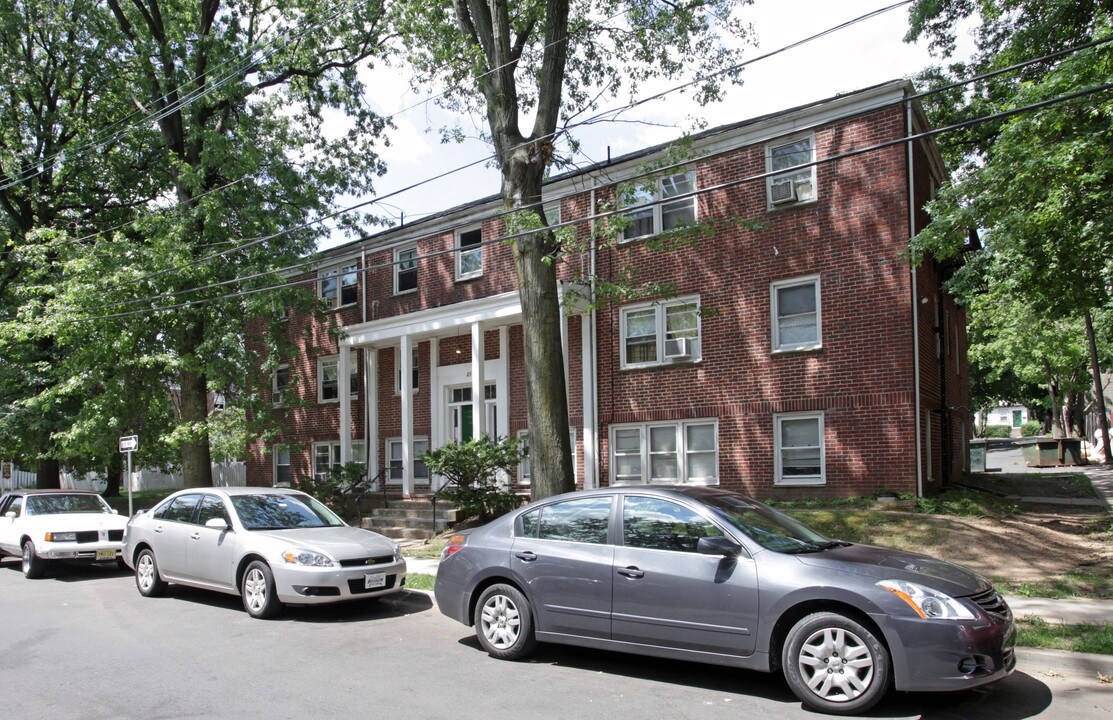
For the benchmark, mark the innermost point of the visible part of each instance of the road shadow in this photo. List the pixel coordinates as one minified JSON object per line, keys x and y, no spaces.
{"x":1017,"y":697}
{"x":70,"y":572}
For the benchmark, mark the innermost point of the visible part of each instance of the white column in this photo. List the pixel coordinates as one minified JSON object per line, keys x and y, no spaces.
{"x":371,"y":390}
{"x":343,"y":371}
{"x":436,"y":403}
{"x":588,"y":390}
{"x":478,"y":419}
{"x":502,"y":383}
{"x":405,"y":361}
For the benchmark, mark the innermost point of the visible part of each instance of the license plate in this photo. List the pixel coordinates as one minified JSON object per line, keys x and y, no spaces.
{"x":106,"y":554}
{"x":374,"y":580}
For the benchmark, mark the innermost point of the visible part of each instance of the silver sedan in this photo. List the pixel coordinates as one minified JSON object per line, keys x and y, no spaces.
{"x":271,"y":546}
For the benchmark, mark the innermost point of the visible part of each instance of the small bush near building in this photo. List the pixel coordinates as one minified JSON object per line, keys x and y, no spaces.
{"x":472,"y":470}
{"x":1031,"y":428}
{"x":998,"y":431}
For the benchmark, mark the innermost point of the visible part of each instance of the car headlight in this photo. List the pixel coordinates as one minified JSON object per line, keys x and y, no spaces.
{"x":397,"y":552}
{"x":61,"y":537}
{"x":928,"y":604}
{"x":307,"y":557}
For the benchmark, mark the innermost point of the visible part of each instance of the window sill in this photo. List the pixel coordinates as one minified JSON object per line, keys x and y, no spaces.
{"x":797,"y":351}
{"x":353,"y":396}
{"x":661,"y":365}
{"x":800,"y":482}
{"x":404,"y":292}
{"x":472,"y":276}
{"x":784,"y":207}
{"x":341,"y":307}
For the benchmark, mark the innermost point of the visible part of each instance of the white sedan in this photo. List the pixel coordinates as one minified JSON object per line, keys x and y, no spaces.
{"x":46,"y":525}
{"x":271,"y":546}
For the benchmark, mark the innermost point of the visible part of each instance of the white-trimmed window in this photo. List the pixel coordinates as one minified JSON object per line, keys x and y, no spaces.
{"x":798,"y":448}
{"x":797,"y":314}
{"x":676,"y":452}
{"x":660,"y":333}
{"x":655,"y":210}
{"x":394,"y":459}
{"x":469,"y":259}
{"x":328,"y":376}
{"x":792,"y":186}
{"x":552,"y":212}
{"x":525,"y":465}
{"x":280,"y":384}
{"x":405,"y":270}
{"x":281,"y":455}
{"x":326,"y":456}
{"x":399,"y":366}
{"x":338,"y":286}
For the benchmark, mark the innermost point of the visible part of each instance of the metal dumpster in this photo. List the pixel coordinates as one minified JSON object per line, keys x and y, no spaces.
{"x":1051,"y":452}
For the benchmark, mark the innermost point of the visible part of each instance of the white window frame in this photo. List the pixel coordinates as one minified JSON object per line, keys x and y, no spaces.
{"x":643,"y":199}
{"x":340,"y":272}
{"x":415,"y":368}
{"x":800,"y":183}
{"x":682,"y":452}
{"x":353,"y":379}
{"x":389,"y":446}
{"x":774,"y":287}
{"x":398,"y":267}
{"x":779,"y":478}
{"x":359,"y":454}
{"x":525,"y":471}
{"x":278,"y":396}
{"x":276,"y":452}
{"x":460,"y":253}
{"x":661,"y":332}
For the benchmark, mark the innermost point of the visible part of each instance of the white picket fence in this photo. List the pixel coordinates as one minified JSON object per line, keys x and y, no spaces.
{"x":224,"y":475}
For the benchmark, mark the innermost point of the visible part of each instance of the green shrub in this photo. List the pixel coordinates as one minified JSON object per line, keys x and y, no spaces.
{"x":1030,"y":428}
{"x":998,"y":431}
{"x":472,"y":469}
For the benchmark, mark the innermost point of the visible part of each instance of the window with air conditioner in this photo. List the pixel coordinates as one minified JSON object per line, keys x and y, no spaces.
{"x":280,"y":384}
{"x":328,"y":378}
{"x":339,"y":286}
{"x":795,"y":179}
{"x":660,"y":333}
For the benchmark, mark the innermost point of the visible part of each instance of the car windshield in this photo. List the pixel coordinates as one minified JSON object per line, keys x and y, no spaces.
{"x":279,"y":511}
{"x":769,"y":528}
{"x":65,"y":503}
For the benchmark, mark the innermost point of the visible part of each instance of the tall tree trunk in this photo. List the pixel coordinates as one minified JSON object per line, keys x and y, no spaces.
{"x":1057,"y":428}
{"x":1099,"y":392}
{"x":112,"y":479}
{"x":196,"y":458}
{"x":47,"y":474}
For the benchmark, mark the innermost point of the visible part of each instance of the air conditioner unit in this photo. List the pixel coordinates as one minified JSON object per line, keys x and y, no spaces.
{"x":782,"y":191}
{"x":678,"y":349}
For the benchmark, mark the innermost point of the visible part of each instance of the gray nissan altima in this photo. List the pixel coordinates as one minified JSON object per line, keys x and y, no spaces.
{"x":708,"y":575}
{"x":271,"y":546}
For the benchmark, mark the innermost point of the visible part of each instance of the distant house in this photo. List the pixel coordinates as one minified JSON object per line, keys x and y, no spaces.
{"x":1012,"y":415}
{"x":828,"y":366}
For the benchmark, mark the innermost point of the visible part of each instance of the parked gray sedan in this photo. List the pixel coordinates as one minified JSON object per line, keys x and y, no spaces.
{"x":272,"y":546}
{"x":711,"y":576}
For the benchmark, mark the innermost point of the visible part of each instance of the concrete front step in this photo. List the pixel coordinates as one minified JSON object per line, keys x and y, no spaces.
{"x":400,"y":533}
{"x":409,"y":519}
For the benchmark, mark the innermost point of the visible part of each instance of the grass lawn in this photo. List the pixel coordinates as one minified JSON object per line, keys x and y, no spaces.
{"x":1037,"y":632}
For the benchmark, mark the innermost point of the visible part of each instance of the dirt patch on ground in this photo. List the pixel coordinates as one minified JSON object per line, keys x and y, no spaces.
{"x":1042,"y":544}
{"x":1042,"y":485}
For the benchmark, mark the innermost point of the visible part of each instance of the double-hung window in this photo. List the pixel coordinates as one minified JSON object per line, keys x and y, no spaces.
{"x":797,"y":314}
{"x":328,"y":378}
{"x":338,"y":286}
{"x":792,"y":186}
{"x":280,"y":384}
{"x":405,"y":270}
{"x":684,"y":452}
{"x":798,"y":447}
{"x":666,"y":205}
{"x":394,"y":459}
{"x":282,"y":465}
{"x":326,"y":456}
{"x":469,"y":258}
{"x":660,"y":333}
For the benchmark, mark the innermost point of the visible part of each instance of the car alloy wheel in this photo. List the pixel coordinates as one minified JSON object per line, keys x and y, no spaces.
{"x":257,"y":588}
{"x":503,"y":623}
{"x":33,"y":566}
{"x":146,"y":575}
{"x":835,"y":665}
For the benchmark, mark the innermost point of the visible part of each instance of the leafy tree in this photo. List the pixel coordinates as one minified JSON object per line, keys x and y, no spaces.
{"x":1039,"y":185}
{"x":556,"y":60}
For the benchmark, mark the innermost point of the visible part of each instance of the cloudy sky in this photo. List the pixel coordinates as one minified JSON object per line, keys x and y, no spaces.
{"x":868,"y":53}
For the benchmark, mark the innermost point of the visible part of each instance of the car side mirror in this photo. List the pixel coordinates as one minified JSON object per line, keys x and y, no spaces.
{"x":115,"y":511}
{"x":218,"y":523}
{"x":718,"y":546}
{"x":10,"y":514}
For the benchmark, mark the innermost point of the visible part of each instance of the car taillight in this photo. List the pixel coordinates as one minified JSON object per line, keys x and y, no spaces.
{"x":454,"y":545}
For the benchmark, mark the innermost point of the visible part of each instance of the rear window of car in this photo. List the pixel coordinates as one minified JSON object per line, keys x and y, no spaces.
{"x":581,"y":520}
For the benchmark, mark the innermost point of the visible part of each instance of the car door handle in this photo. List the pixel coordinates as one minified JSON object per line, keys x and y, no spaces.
{"x":631,"y":572}
{"x":195,"y":536}
{"x":158,"y":529}
{"x":525,"y":556}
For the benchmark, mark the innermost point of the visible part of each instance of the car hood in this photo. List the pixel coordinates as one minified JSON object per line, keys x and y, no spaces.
{"x":884,"y":563}
{"x":72,"y":522}
{"x":342,"y":543}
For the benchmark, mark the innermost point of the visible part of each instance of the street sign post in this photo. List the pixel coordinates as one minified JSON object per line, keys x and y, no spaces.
{"x":129,"y":444}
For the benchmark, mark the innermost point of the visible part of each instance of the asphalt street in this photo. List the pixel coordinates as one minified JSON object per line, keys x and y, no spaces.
{"x":84,"y":644}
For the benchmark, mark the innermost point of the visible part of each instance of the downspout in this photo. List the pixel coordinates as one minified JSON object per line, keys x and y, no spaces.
{"x":915,"y":302}
{"x":366,"y":375}
{"x":592,"y":319}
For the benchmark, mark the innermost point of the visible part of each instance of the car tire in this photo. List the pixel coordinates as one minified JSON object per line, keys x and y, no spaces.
{"x":835,"y":665}
{"x":260,"y":598}
{"x":33,"y":566}
{"x":147,"y":579}
{"x":504,"y":623}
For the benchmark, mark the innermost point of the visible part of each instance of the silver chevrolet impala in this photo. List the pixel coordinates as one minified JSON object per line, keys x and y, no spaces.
{"x":271,"y":546}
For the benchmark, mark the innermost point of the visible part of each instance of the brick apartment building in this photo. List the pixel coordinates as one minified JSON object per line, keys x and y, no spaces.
{"x":805,"y":357}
